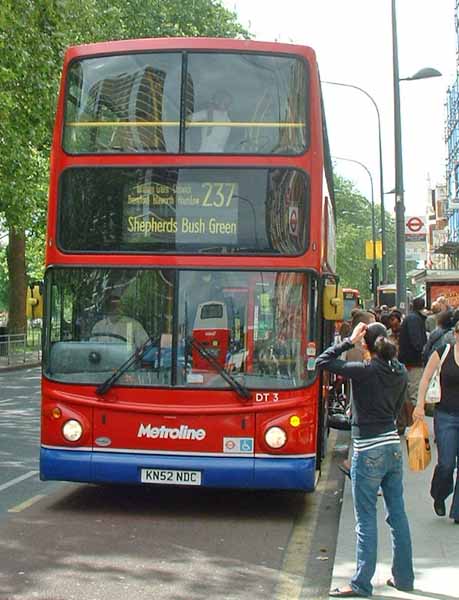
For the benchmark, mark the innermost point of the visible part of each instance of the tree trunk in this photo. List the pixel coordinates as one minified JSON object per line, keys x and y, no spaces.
{"x":17,"y":322}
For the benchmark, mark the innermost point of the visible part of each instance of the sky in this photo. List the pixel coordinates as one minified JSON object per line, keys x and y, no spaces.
{"x":353,"y":43}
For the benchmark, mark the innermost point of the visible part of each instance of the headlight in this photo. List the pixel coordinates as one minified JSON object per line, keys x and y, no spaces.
{"x":275,"y":437}
{"x":72,"y":430}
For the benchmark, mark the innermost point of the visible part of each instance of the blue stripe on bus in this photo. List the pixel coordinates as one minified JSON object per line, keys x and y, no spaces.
{"x":218,"y":472}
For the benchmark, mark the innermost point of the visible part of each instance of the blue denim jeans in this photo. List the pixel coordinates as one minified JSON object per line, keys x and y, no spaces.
{"x":446,"y":427}
{"x":371,"y":469}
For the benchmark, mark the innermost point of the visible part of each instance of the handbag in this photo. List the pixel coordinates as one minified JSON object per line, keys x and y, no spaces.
{"x":433,"y":394}
{"x":418,"y":446}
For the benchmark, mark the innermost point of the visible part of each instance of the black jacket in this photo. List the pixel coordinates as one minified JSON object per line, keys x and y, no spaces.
{"x":379,"y":389}
{"x":412,"y":339}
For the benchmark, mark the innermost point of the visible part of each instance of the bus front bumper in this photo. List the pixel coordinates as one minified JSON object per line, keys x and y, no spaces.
{"x":218,"y":472}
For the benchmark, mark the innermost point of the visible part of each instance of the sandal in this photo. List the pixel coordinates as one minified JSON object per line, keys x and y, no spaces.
{"x":391,"y":583}
{"x":348,"y":593}
{"x":346,"y":471}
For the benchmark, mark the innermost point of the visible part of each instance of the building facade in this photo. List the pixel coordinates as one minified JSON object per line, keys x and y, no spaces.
{"x":445,"y":238}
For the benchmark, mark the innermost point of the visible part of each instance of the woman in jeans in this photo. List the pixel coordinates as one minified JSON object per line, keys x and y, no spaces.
{"x":379,"y":388}
{"x":446,"y":425}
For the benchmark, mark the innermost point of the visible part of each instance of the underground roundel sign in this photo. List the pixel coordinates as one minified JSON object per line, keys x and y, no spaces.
{"x":293,"y":220}
{"x":414,"y":225}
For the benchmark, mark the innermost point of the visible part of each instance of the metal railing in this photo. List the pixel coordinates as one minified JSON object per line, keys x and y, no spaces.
{"x":20,"y":348}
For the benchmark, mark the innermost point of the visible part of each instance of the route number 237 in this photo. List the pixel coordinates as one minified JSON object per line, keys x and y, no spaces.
{"x":218,"y":194}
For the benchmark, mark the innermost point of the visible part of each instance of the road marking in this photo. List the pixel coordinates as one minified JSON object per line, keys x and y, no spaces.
{"x":26,"y":504}
{"x":291,"y":576}
{"x":8,"y":484}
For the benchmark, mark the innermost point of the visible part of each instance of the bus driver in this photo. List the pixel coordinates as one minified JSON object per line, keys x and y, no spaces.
{"x":116,"y":327}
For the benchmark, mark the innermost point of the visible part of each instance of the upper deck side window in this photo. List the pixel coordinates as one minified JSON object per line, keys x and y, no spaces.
{"x":198,"y":103}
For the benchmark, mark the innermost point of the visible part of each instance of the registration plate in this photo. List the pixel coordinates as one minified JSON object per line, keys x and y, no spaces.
{"x":170,"y":477}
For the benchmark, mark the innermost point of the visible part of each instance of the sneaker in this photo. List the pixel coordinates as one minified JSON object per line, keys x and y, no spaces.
{"x":439,"y":508}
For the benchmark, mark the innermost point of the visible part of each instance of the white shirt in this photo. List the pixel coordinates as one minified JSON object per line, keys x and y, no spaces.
{"x":123,"y":329}
{"x":213,"y":138}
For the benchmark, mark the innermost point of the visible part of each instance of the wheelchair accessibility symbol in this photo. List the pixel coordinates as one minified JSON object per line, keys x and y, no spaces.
{"x":236,"y":445}
{"x":246,"y":445}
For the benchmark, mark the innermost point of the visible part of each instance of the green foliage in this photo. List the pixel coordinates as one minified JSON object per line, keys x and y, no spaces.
{"x":354,"y":226}
{"x":35,"y":252}
{"x":27,"y":91}
{"x":33,"y":37}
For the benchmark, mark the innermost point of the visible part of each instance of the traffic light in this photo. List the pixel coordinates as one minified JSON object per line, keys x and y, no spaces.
{"x":374,"y":281}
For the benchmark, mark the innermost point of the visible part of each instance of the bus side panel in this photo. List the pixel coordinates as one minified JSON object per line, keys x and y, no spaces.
{"x":294,"y":465}
{"x":276,"y":473}
{"x":116,"y":445}
{"x":60,"y":459}
{"x":285,"y":474}
{"x":231,"y":434}
{"x":58,"y":464}
{"x":301,"y":438}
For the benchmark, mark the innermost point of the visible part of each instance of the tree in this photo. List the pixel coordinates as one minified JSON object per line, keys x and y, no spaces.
{"x":33,"y":38}
{"x":354,"y":226}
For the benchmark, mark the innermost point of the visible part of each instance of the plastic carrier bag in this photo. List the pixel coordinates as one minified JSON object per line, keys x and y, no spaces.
{"x":418,"y":445}
{"x":433,"y":393}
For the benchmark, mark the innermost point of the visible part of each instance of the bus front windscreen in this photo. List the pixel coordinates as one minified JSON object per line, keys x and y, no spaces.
{"x":180,"y":328}
{"x":184,"y":210}
{"x":349,"y":304}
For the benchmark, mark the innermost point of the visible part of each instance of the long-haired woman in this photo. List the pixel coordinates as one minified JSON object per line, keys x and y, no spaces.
{"x":446,"y":424}
{"x":379,"y":388}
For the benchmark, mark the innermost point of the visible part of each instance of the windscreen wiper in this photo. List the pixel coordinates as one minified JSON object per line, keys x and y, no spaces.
{"x":240,"y":389}
{"x":135,"y":356}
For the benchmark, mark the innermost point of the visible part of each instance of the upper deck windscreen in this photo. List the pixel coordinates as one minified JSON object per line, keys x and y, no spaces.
{"x":194,"y":103}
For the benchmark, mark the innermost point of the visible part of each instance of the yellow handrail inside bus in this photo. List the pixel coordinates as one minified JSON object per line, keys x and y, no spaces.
{"x":187,"y":124}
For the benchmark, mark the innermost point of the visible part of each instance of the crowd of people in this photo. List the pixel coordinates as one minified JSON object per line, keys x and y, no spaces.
{"x":390,"y":360}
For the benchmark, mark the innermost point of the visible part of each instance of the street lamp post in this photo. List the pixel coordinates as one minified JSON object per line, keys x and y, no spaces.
{"x":399,"y":191}
{"x":399,"y":199}
{"x":373,"y":224}
{"x":381,"y":184}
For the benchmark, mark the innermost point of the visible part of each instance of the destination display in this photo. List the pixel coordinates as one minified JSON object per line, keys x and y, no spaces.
{"x":188,"y":213}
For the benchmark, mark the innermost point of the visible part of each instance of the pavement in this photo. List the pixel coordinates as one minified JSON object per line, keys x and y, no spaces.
{"x":435,"y":541}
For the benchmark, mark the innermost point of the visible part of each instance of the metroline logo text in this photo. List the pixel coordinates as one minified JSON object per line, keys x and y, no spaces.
{"x":173,"y":433}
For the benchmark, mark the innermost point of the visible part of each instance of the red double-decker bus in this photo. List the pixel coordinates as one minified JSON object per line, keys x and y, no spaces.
{"x":352,"y":299}
{"x":190,"y":266}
